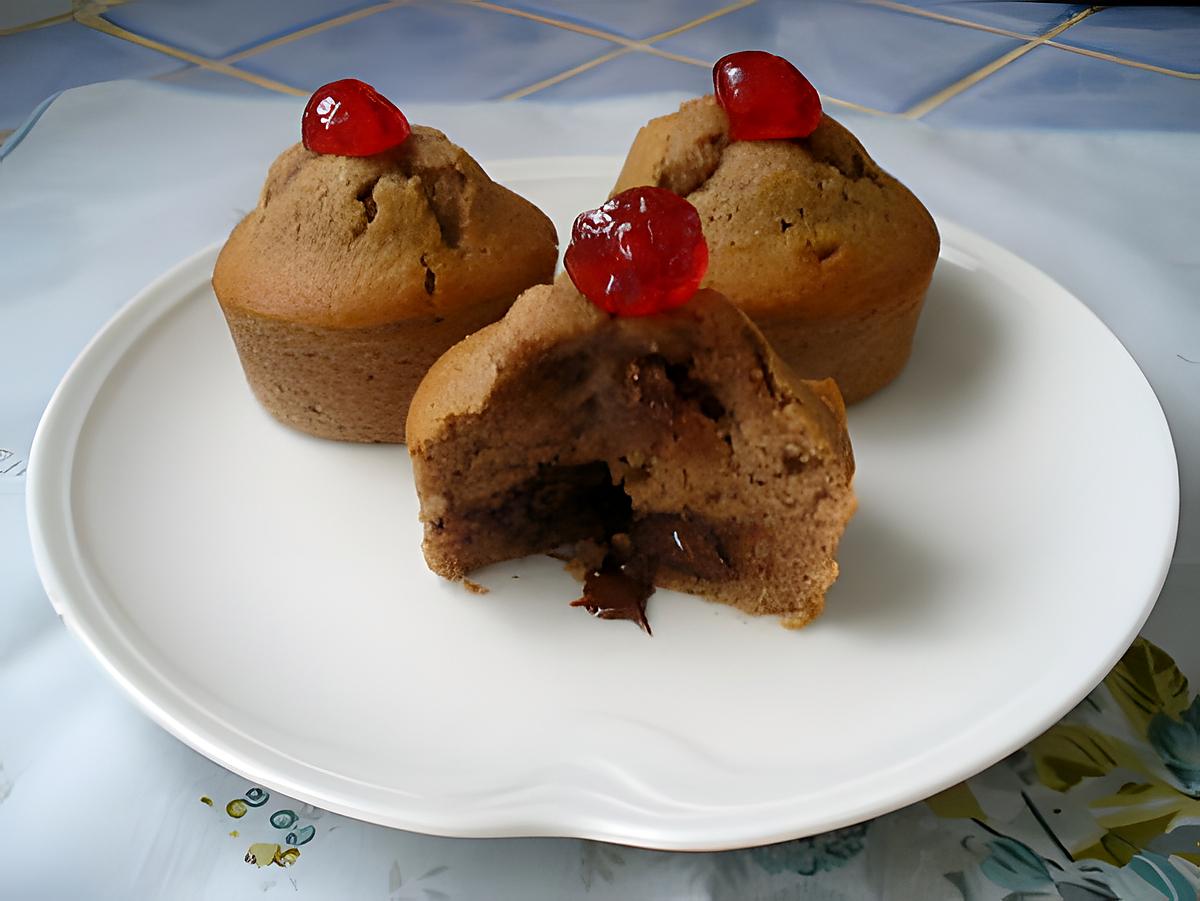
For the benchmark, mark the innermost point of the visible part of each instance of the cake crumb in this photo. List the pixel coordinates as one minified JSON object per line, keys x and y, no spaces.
{"x":475,"y":587}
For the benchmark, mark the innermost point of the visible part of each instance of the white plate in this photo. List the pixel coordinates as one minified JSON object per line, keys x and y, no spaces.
{"x":262,"y":594}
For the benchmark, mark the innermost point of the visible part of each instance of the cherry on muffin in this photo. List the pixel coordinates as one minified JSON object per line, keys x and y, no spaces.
{"x":765,"y":97}
{"x":351,"y":118}
{"x":641,"y":253}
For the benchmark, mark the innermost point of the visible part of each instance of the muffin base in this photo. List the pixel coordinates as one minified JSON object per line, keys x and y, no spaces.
{"x":346,"y":384}
{"x":862,"y":352}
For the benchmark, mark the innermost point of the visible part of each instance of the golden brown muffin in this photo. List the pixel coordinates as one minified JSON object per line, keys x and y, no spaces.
{"x":679,"y":435}
{"x":354,"y":274}
{"x":827,"y":253}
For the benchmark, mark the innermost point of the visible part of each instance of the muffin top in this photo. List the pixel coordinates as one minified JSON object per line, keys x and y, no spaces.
{"x":416,"y":232}
{"x":802,"y":228}
{"x":549,"y":318}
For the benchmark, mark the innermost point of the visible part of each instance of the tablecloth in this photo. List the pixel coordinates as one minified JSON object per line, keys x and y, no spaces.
{"x":117,"y":182}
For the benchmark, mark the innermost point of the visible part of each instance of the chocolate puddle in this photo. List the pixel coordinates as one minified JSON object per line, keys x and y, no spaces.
{"x":623,"y":583}
{"x":615,"y":591}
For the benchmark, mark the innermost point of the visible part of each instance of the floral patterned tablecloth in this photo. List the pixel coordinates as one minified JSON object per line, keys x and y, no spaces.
{"x":1105,"y":805}
{"x":97,"y":802}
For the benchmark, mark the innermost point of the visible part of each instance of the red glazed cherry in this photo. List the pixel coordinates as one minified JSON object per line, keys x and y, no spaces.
{"x":765,"y":97}
{"x":351,"y":118}
{"x":643,"y":252}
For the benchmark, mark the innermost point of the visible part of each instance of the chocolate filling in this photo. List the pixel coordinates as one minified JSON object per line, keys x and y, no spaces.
{"x":623,"y":583}
{"x":684,"y":545}
{"x":565,"y":505}
{"x":617,"y":591}
{"x":661,"y":383}
{"x":568,"y":504}
{"x":561,"y":505}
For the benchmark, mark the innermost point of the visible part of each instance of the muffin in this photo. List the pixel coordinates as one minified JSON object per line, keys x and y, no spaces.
{"x":827,"y":253}
{"x":354,"y":273}
{"x":674,"y":448}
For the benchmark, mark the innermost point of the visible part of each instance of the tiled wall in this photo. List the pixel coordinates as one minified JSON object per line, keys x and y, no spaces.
{"x":976,"y":62}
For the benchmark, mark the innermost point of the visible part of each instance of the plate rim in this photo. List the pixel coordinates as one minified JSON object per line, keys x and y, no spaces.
{"x":48,"y":482}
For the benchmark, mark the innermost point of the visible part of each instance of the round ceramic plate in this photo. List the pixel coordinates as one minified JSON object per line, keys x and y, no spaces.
{"x":263,"y":596}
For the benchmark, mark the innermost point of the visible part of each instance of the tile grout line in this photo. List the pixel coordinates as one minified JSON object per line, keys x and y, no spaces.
{"x":949,"y":20}
{"x":315,"y":28}
{"x":825,"y":98}
{"x":1122,"y":61}
{"x":98,"y":23}
{"x":85,"y":15}
{"x":39,"y":23}
{"x":546,"y":20}
{"x":1083,"y":51}
{"x":677,"y":57}
{"x":953,"y":90}
{"x":628,"y":45}
{"x":857,"y":107}
{"x":686,"y":26}
{"x":642,"y":46}
{"x":569,"y":73}
{"x":631,"y":43}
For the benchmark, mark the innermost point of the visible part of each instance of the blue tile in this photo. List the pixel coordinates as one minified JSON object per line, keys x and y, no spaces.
{"x":196,"y":78}
{"x":431,"y":51}
{"x":865,"y":54}
{"x":1054,"y":88}
{"x":35,"y":64}
{"x":14,"y":13}
{"x":628,"y":18}
{"x":632,"y":73}
{"x":1024,"y":17}
{"x":1161,"y":36}
{"x":217,"y":28}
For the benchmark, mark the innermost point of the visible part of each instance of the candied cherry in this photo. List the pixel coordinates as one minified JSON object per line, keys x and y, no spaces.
{"x":641,"y":253}
{"x":765,"y":97}
{"x":351,"y":118}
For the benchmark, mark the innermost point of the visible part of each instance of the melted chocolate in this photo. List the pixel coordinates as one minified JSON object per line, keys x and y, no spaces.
{"x":684,"y":545}
{"x":638,"y":549}
{"x":663,"y":385}
{"x":617,"y":591}
{"x":625,"y":580}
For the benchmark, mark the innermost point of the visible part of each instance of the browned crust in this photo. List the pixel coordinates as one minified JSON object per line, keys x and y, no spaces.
{"x":828,"y":254}
{"x":345,"y":242}
{"x":352,"y":275}
{"x":862,"y":352}
{"x":346,"y":384}
{"x":809,"y":228}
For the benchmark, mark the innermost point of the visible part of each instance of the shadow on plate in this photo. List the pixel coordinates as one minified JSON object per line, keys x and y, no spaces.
{"x":958,"y":343}
{"x":888,"y":577}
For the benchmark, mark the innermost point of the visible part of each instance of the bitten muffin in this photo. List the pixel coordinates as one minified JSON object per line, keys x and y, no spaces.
{"x":678,"y":438}
{"x":353,"y":274}
{"x":827,"y":253}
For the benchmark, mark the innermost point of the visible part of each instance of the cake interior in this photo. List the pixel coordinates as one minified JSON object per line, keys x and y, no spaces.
{"x":682,"y":466}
